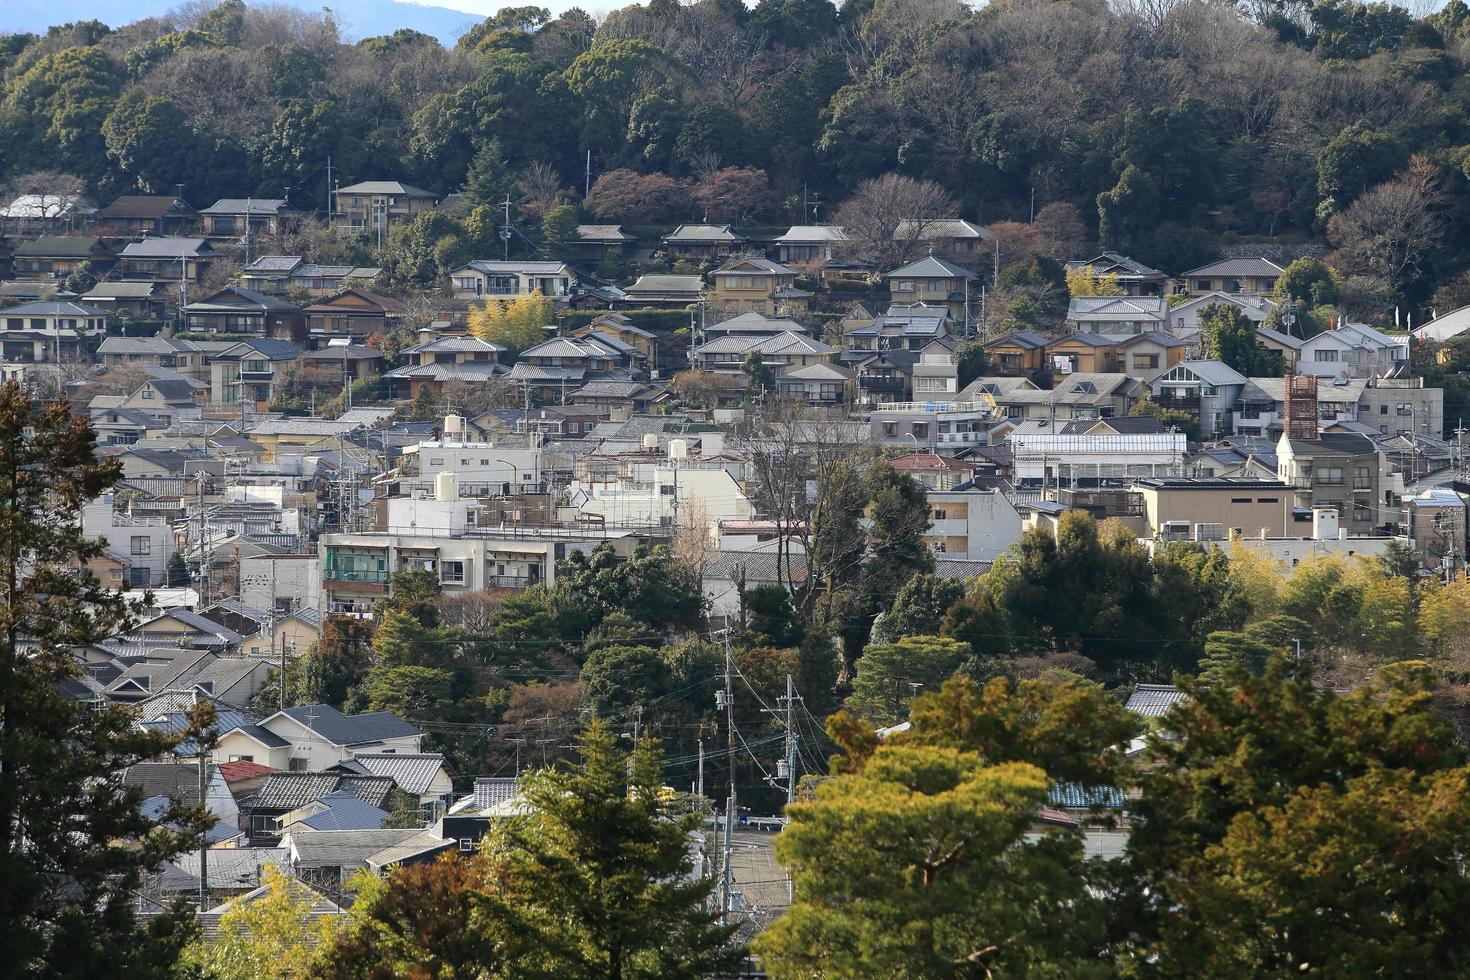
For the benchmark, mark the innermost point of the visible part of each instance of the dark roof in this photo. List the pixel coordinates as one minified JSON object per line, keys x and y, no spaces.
{"x":1333,"y":444}
{"x":140,"y":206}
{"x":61,"y":246}
{"x":342,"y":729}
{"x":288,"y":790}
{"x":239,"y":298}
{"x":175,"y":779}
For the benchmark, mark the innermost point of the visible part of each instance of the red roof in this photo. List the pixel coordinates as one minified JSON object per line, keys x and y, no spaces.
{"x":234,"y":772}
{"x":928,"y":462}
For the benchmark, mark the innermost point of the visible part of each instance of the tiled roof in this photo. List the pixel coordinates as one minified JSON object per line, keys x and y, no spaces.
{"x":288,"y":790}
{"x":273,"y":263}
{"x":239,"y":205}
{"x":491,"y":791}
{"x":53,"y":308}
{"x":242,"y":769}
{"x":342,"y":848}
{"x":1153,"y":700}
{"x":413,"y":773}
{"x":142,"y":206}
{"x":930,"y":267}
{"x":343,"y":811}
{"x":455,"y":345}
{"x":384,"y":187}
{"x":702,"y":233}
{"x":166,"y":248}
{"x":1257,"y":267}
{"x":603,"y":233}
{"x":342,"y":729}
{"x":59,"y":246}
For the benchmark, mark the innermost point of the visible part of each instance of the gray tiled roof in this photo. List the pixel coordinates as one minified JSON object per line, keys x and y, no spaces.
{"x":384,"y":187}
{"x":413,"y":773}
{"x":1153,"y":700}
{"x":930,"y":267}
{"x":166,"y":248}
{"x":1258,"y":267}
{"x":343,"y":811}
{"x":343,"y":848}
{"x":288,"y":790}
{"x":342,"y":729}
{"x":702,"y":233}
{"x":492,"y":790}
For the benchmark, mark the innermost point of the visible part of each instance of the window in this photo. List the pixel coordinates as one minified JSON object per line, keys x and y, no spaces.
{"x":451,"y":572}
{"x":1383,"y":409}
{"x":466,"y":844}
{"x":939,"y":515}
{"x":242,"y":758}
{"x":1240,"y":500}
{"x":148,"y":391}
{"x":298,"y":765}
{"x":142,"y":545}
{"x":1268,"y":500}
{"x":1324,"y":356}
{"x":921,"y":430}
{"x":1362,"y":478}
{"x":436,"y":461}
{"x":1145,"y":361}
{"x":903,"y":286}
{"x":1329,"y":476}
{"x":890,"y":428}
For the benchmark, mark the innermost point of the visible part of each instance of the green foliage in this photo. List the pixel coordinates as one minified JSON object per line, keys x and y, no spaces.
{"x":1178,"y":418}
{"x":1353,"y":161}
{"x":770,"y":617}
{"x":1307,"y":281}
{"x":969,"y":362}
{"x":619,"y":677}
{"x":177,"y":572}
{"x":275,"y":935}
{"x":559,"y":225}
{"x":75,"y":846}
{"x":918,"y":608}
{"x":759,"y":377}
{"x":1230,"y":337}
{"x":890,"y":675}
{"x":1128,"y":211}
{"x":650,"y":587}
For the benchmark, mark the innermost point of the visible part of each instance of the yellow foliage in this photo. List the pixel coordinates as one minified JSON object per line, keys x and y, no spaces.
{"x":1444,"y":614}
{"x":1082,"y":281}
{"x":518,"y":324}
{"x":1259,"y":577}
{"x":271,"y":936}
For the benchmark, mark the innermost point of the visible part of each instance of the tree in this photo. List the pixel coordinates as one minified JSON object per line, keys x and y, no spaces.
{"x":559,"y":225}
{"x":618,"y":677}
{"x":613,"y":889}
{"x":73,"y":843}
{"x":1082,"y":281}
{"x":650,"y":587}
{"x":516,"y":325}
{"x":1307,"y":281}
{"x":1390,"y":230}
{"x":624,"y":195}
{"x":759,"y":378}
{"x":177,"y":573}
{"x":890,"y":675}
{"x":1366,"y":790}
{"x":1129,"y":211}
{"x":1230,"y":337}
{"x":732,"y":194}
{"x":1353,"y":161}
{"x":276,"y":935}
{"x":1175,"y":418}
{"x":887,"y":218}
{"x":898,"y":513}
{"x":918,"y":608}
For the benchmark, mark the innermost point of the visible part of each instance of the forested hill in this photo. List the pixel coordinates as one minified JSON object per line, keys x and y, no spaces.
{"x":358,"y":18}
{"x":1164,"y":130}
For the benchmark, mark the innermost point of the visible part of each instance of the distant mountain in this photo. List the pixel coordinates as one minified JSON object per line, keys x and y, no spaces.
{"x":359,"y":18}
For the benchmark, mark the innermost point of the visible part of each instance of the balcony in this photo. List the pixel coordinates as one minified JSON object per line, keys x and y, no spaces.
{"x":364,"y":576}
{"x":510,"y":581}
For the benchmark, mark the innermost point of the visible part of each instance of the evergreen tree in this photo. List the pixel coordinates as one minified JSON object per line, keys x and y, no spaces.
{"x":177,"y":572}
{"x":890,"y":675}
{"x":73,"y":844}
{"x":559,"y":225}
{"x":1231,"y":337}
{"x":758,"y":376}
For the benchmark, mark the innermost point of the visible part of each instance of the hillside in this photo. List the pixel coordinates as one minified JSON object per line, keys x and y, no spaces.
{"x":359,"y":19}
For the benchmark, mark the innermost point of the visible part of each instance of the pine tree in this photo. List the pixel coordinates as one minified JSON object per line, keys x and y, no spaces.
{"x":73,"y":844}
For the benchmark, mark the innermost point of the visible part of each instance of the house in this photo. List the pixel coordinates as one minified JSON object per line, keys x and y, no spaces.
{"x":248,"y":370}
{"x":810,"y":246}
{"x":321,"y":736}
{"x":1253,"y":276}
{"x":619,"y":326}
{"x":1352,"y":350}
{"x":954,"y":239}
{"x":165,"y":259}
{"x":1215,"y":508}
{"x":145,"y":544}
{"x":1205,"y":389}
{"x":702,"y":243}
{"x":1289,"y":347}
{"x":753,"y":325}
{"x":967,"y":522}
{"x":782,"y":352}
{"x":933,"y":471}
{"x":756,"y":285}
{"x":168,"y":398}
{"x":376,"y":207}
{"x":1343,"y":472}
{"x":56,"y":319}
{"x":819,"y":384}
{"x":561,"y":365}
{"x":133,"y":216}
{"x":439,"y":362}
{"x":933,"y":282}
{"x":1143,"y":355}
{"x":883,"y":375}
{"x":1132,"y":276}
{"x":353,"y":314}
{"x":910,"y":326}
{"x":604,"y":243}
{"x":483,"y":278}
{"x":1018,"y":353}
{"x":1436,"y":524}
{"x":1115,"y":316}
{"x":1082,"y":353}
{"x":420,"y":775}
{"x":1189,"y":315}
{"x":1076,"y":396}
{"x":187,"y":357}
{"x":275,"y":275}
{"x":620,"y":399}
{"x":144,"y":300}
{"x":30,"y":214}
{"x":58,"y":256}
{"x":240,"y":311}
{"x":353,"y":361}
{"x":935,"y":375}
{"x":21,"y":291}
{"x":288,"y":792}
{"x":1045,"y":455}
{"x":235,"y":218}
{"x":663,"y":291}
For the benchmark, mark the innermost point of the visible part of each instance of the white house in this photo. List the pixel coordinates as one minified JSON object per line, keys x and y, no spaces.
{"x":1044,"y":456}
{"x":971,"y":523}
{"x":507,"y":280}
{"x":1353,"y":350}
{"x":321,"y":736}
{"x":1115,"y":316}
{"x":1186,"y":316}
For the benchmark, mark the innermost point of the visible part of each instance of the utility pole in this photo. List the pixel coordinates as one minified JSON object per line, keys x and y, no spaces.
{"x":699,"y":784}
{"x":271,"y":625}
{"x":505,"y":228}
{"x":518,"y":742}
{"x":587,"y":177}
{"x":790,"y":740}
{"x":249,"y":204}
{"x":331,"y":196}
{"x":727,"y":878}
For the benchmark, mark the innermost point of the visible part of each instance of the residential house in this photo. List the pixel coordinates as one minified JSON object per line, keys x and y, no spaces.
{"x":1344,"y":472}
{"x":1018,"y":353}
{"x":810,"y":246}
{"x":1115,"y":316}
{"x":604,"y":243}
{"x":353,"y":314}
{"x":169,"y":399}
{"x":51,"y":213}
{"x":971,"y":523}
{"x":661,"y":291}
{"x":275,"y":275}
{"x":1132,"y":276}
{"x":702,"y":243}
{"x":58,"y":256}
{"x":1388,"y":406}
{"x":133,"y":216}
{"x":123,"y":426}
{"x":954,"y":239}
{"x":933,"y":282}
{"x":1215,"y":508}
{"x":782,"y":352}
{"x":757,"y":285}
{"x":953,"y":427}
{"x":49,"y":331}
{"x":235,"y":218}
{"x":446,"y":360}
{"x":1443,"y":327}
{"x":557,"y":367}
{"x":935,"y":375}
{"x":933,"y":471}
{"x":420,"y":775}
{"x":297,"y":436}
{"x":883,"y":375}
{"x":140,"y":300}
{"x":620,"y":399}
{"x":1189,"y":316}
{"x":146,"y":544}
{"x":1253,"y":276}
{"x":1082,"y":353}
{"x":321,"y":736}
{"x":903,"y":326}
{"x":349,"y":361}
{"x":827,"y":385}
{"x":1352,"y":350}
{"x":1144,"y":355}
{"x":1205,"y":389}
{"x":248,"y":370}
{"x":165,"y":259}
{"x":376,"y":207}
{"x":619,"y":326}
{"x":1435,"y":519}
{"x":1077,"y":396}
{"x":21,"y":291}
{"x":753,"y":325}
{"x":240,"y":311}
{"x":187,"y":357}
{"x":486,"y":279}
{"x":1289,"y":347}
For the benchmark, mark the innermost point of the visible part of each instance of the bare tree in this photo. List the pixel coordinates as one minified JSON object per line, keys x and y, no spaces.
{"x":539,"y":185}
{"x":472,"y":611}
{"x":692,"y":546}
{"x":888,"y":217}
{"x":1389,"y":230}
{"x":53,"y":199}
